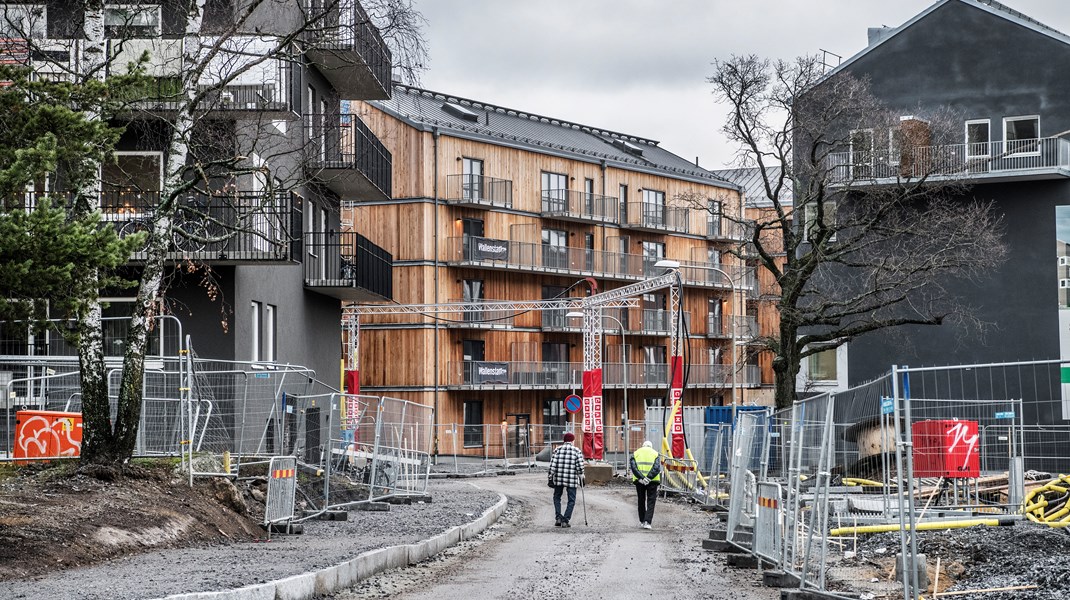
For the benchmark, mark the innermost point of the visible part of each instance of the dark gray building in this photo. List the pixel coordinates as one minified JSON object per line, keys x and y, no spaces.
{"x":1007,"y":76}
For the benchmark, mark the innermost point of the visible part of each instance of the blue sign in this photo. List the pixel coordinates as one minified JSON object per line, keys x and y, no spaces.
{"x":1005,"y":415}
{"x":573,"y":403}
{"x":887,"y":406}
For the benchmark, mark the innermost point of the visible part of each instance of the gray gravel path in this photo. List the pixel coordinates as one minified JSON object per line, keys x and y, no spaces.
{"x":324,"y":543}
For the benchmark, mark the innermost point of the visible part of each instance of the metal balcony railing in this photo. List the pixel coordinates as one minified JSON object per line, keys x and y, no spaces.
{"x":346,"y":264}
{"x":524,"y":256}
{"x":656,"y":217}
{"x":1007,"y":159}
{"x":216,"y":226}
{"x":656,"y":322}
{"x":580,"y":206}
{"x":563,"y":375}
{"x":477,"y":316}
{"x":347,"y":157}
{"x":746,"y":326}
{"x":343,"y":37}
{"x":479,"y":191}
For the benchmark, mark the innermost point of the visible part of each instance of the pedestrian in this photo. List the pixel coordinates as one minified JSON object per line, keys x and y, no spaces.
{"x":646,"y":475}
{"x":566,"y":474}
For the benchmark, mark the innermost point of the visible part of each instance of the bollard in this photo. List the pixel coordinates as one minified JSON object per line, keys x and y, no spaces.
{"x":901,"y":572}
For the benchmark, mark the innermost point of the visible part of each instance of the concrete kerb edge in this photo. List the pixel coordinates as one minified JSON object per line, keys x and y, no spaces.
{"x":338,"y":577}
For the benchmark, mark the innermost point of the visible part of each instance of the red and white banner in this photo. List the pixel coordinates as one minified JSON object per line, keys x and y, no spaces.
{"x":593,"y":443}
{"x":676,"y":396}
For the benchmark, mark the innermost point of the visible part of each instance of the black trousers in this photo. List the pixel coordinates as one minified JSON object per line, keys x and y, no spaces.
{"x":648,"y":496}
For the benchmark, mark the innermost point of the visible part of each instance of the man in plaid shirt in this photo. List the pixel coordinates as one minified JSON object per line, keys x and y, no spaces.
{"x":566,"y":474}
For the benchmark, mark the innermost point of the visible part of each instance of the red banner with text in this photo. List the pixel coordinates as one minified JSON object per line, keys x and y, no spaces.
{"x":676,"y":394}
{"x":593,"y":443}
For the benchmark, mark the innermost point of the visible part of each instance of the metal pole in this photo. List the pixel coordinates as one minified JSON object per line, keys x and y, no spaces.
{"x":624,"y":364}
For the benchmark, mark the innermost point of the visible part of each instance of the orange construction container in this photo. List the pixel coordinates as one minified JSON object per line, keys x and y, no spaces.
{"x":47,"y":434}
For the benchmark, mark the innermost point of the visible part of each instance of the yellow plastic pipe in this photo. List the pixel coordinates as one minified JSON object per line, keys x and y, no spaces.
{"x":932,"y":525}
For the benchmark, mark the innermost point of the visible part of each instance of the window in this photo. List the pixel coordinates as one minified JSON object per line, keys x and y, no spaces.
{"x":861,"y":154}
{"x":554,"y":319}
{"x":471,"y":179}
{"x":588,"y":198}
{"x":473,"y":293}
{"x":23,"y":21}
{"x":588,"y":251}
{"x":978,"y":136}
{"x":652,"y":253}
{"x":268,"y":343}
{"x":828,"y":219}
{"x":554,"y":192}
{"x":714,"y":307}
{"x":623,"y":203}
{"x":1021,"y":135}
{"x":655,"y":317}
{"x":132,"y":20}
{"x":554,"y":363}
{"x":822,"y":366}
{"x":654,"y":369}
{"x":653,"y":207}
{"x":555,"y":248}
{"x":471,"y":231}
{"x":254,"y":331}
{"x":473,"y":423}
{"x":714,"y":210}
{"x":554,"y":418}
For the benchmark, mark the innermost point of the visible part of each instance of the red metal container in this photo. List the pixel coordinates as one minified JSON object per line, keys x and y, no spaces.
{"x":946,"y":448}
{"x":47,"y":434}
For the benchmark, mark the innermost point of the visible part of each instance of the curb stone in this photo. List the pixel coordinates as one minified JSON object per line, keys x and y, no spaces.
{"x":338,"y":577}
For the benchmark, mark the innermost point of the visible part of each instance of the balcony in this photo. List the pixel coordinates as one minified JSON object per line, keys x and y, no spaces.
{"x":656,"y":218}
{"x":656,"y":322}
{"x":1044,"y":158}
{"x":555,"y":320}
{"x":347,"y":49}
{"x":478,"y":317}
{"x":257,"y":90}
{"x":700,"y":274}
{"x":581,"y":207}
{"x":504,"y":375}
{"x":221,"y":228}
{"x":346,"y":157}
{"x":477,"y":191}
{"x":347,"y":266}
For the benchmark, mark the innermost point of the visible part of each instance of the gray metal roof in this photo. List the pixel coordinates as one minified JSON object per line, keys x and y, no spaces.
{"x":750,"y":179}
{"x":479,"y":120}
{"x":990,"y":6}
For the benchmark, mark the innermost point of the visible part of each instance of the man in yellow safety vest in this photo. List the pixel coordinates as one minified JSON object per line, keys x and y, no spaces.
{"x":646,"y":475}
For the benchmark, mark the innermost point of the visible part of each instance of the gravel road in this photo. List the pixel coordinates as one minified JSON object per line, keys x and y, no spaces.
{"x":325,"y":543}
{"x":525,"y":556}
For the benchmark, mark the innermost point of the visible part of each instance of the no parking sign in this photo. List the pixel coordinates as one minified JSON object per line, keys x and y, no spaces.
{"x":573,"y":403}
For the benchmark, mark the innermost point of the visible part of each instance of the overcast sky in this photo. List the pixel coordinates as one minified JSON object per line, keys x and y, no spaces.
{"x":640,"y":66}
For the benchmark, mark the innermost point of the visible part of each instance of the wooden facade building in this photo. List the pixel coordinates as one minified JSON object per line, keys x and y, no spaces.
{"x":491,"y":203}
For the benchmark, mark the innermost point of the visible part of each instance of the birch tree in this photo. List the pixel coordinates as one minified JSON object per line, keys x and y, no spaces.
{"x":868,"y":221}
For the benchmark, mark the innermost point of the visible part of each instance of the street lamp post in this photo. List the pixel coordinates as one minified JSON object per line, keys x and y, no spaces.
{"x":672,"y":264}
{"x":624,"y":360}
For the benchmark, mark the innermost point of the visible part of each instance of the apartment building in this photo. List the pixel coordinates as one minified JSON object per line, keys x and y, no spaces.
{"x":1004,"y":75}
{"x":497,"y":204}
{"x":273,"y":291}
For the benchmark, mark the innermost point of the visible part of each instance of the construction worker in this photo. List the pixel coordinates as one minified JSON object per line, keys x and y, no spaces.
{"x":645,"y":466}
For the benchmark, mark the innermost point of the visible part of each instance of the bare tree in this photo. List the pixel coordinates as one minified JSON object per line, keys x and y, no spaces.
{"x":867,"y":224}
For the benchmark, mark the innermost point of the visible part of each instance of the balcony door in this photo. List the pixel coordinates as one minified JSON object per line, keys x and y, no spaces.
{"x":655,"y":316}
{"x":655,"y":370}
{"x":654,"y":208}
{"x":471,"y":230}
{"x":471,"y":179}
{"x":554,"y":192}
{"x":652,"y":253}
{"x":554,"y":319}
{"x":472,"y":354}
{"x":555,"y":248}
{"x":473,"y":290}
{"x":554,"y":363}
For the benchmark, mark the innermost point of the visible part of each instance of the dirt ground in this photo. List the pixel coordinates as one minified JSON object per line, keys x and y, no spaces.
{"x":52,"y":517}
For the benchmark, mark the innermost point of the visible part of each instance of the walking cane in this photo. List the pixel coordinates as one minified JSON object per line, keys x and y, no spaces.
{"x":583,"y":499}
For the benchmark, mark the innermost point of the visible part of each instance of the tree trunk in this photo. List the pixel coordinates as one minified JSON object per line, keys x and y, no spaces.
{"x":786,"y":365}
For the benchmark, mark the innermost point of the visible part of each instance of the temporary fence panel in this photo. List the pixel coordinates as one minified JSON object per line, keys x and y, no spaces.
{"x":281,"y":489}
{"x":742,"y":494}
{"x":808,"y":437}
{"x":717,"y":459}
{"x":402,"y":447}
{"x":767,"y":522}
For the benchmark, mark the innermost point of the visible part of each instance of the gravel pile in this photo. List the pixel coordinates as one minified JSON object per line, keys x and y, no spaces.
{"x":992,"y":557}
{"x":324,"y":543}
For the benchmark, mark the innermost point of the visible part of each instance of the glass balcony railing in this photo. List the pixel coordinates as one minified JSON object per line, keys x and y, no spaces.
{"x":656,"y":217}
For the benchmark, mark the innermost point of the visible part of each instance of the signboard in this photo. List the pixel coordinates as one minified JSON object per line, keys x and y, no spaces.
{"x":490,"y":372}
{"x":1005,"y":415}
{"x":488,"y":249}
{"x":573,"y":403}
{"x":593,"y":443}
{"x":887,"y":406}
{"x":676,"y":396}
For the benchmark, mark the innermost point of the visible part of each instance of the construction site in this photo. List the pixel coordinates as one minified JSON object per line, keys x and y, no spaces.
{"x":822,"y":497}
